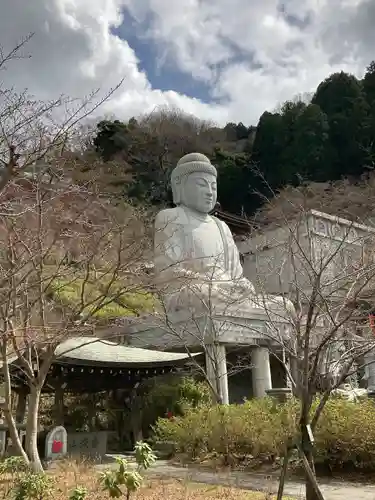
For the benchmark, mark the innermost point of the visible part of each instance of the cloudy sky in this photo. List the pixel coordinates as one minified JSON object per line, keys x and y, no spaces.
{"x":222,"y":60}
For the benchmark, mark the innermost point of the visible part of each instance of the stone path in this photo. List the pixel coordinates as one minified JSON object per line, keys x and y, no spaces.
{"x":332,"y":490}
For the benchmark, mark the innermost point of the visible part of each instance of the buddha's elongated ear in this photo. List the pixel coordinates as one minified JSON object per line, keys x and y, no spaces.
{"x":176,"y":190}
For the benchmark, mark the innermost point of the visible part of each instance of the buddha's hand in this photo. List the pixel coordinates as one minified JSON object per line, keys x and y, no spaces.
{"x":279,"y":302}
{"x":244,"y":287}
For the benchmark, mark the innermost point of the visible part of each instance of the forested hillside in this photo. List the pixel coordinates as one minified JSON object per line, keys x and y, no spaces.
{"x":326,"y":139}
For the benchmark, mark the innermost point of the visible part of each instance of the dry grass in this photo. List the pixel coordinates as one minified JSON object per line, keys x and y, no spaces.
{"x":69,"y":475}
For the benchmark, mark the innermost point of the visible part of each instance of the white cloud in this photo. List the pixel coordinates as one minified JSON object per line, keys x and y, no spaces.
{"x":252,"y":56}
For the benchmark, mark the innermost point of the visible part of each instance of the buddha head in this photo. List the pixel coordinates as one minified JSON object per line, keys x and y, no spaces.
{"x":194,"y":183}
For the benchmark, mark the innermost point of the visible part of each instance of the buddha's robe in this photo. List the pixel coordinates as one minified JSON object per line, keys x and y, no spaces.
{"x":198,"y":268}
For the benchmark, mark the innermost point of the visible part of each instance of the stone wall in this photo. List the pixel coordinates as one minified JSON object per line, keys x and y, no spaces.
{"x":278,"y":257}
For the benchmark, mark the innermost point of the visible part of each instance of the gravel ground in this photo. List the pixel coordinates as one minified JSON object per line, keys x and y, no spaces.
{"x":332,"y":490}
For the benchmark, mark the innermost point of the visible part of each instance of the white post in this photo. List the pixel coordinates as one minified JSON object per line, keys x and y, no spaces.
{"x":216,"y":366}
{"x":370,"y":372}
{"x":261,"y":371}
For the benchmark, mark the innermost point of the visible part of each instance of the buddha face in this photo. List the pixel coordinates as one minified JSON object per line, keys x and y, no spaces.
{"x":199,"y":192}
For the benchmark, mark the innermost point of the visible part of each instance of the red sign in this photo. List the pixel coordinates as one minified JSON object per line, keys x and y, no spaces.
{"x":57,"y":446}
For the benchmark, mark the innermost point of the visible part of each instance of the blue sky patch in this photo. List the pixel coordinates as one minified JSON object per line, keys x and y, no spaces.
{"x":167,"y":77}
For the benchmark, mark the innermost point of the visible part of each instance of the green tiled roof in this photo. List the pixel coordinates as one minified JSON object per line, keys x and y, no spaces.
{"x":93,"y":350}
{"x":96,"y":351}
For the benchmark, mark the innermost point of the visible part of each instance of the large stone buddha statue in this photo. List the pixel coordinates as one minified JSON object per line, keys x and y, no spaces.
{"x":197,"y":262}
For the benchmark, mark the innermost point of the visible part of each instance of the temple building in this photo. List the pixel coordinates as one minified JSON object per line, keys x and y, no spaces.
{"x":276,"y":267}
{"x":89,"y":365}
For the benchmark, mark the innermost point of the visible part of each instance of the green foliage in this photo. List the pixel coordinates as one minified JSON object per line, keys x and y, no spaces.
{"x":342,"y":99}
{"x":237,"y":131}
{"x":125,"y":476}
{"x":193,"y":393}
{"x":172,"y":393}
{"x":306,"y":148}
{"x":252,"y":429}
{"x":345,"y":435}
{"x":369,"y":84}
{"x":144,"y":455}
{"x":235,"y":170}
{"x":32,"y":487}
{"x":112,"y":138}
{"x":13,"y":465}
{"x":323,"y":140}
{"x":110,"y":484}
{"x":337,"y":93}
{"x":149,"y":150}
{"x":292,"y":145}
{"x":79,"y":493}
{"x":69,"y":293}
{"x":25,"y":484}
{"x":268,"y":146}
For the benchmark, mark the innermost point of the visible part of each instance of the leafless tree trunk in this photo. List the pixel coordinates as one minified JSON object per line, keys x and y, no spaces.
{"x":55,"y":221}
{"x":31,"y":440}
{"x":11,"y":423}
{"x":325,"y":265}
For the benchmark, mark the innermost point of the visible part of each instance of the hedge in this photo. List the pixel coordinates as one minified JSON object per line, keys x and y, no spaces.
{"x":345,"y":435}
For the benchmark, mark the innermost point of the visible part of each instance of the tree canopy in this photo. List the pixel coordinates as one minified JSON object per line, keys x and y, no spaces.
{"x":328,"y":138}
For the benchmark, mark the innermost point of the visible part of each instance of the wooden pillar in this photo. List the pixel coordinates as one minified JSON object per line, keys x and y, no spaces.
{"x":59,"y":406}
{"x":92,"y":412}
{"x":21,"y":405}
{"x":136,"y":415}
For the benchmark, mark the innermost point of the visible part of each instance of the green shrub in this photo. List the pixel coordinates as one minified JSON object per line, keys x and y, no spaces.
{"x":125,"y":480}
{"x":171,"y":393}
{"x":254,"y":428}
{"x":13,"y":465}
{"x":32,"y":487}
{"x":345,"y":435}
{"x":79,"y":493}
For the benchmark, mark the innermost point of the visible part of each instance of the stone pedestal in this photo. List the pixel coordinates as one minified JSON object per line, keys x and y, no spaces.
{"x":261,"y":371}
{"x":216,"y":367}
{"x":280,"y":394}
